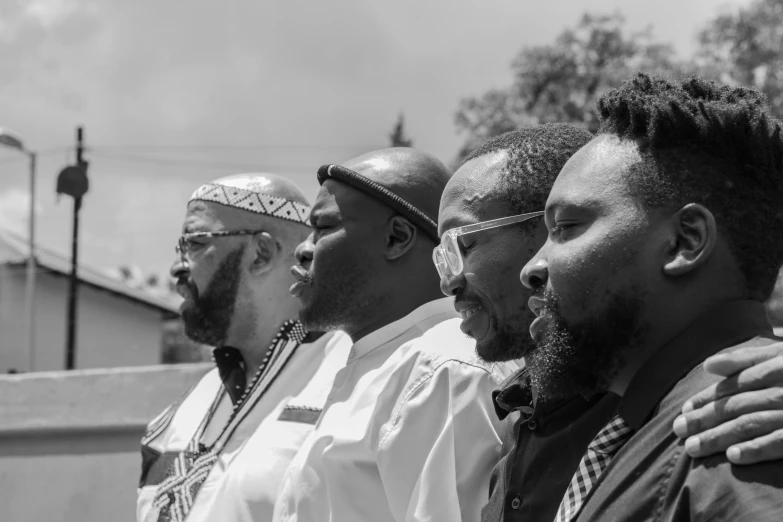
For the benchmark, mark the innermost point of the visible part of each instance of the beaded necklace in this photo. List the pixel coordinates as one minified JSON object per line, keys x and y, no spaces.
{"x":177,"y":492}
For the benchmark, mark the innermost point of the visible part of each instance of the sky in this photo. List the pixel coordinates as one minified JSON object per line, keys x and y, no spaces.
{"x":174,"y":94}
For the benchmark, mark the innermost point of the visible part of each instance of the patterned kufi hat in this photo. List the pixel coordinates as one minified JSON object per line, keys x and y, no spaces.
{"x":247,"y":195}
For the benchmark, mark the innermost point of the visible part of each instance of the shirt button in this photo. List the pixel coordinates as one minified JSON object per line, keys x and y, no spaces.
{"x":515,"y":503}
{"x":532,"y":425}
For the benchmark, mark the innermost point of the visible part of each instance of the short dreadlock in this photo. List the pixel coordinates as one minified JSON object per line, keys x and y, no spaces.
{"x":535,"y":157}
{"x":706,"y":143}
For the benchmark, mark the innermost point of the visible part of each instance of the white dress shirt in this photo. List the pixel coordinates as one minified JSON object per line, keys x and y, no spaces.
{"x":407,"y":433}
{"x":243,"y":483}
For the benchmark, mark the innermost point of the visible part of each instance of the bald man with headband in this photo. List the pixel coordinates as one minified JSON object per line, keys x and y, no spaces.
{"x":409,"y":431}
{"x":219,"y":452}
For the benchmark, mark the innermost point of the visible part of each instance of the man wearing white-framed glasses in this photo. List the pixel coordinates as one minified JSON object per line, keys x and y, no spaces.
{"x":490,"y":226}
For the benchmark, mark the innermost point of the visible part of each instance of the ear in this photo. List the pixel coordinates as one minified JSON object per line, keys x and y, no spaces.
{"x":694,"y":235}
{"x":265,"y":250}
{"x":400,"y":237}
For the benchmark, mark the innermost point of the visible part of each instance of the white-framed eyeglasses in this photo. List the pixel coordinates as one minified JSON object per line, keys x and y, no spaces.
{"x":448,"y":256}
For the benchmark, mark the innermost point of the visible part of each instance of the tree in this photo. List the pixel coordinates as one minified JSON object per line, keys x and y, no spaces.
{"x":746,"y":48}
{"x":561,"y":82}
{"x":397,"y":135}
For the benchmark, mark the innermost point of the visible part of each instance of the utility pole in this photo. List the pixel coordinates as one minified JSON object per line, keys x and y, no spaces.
{"x":73,"y":182}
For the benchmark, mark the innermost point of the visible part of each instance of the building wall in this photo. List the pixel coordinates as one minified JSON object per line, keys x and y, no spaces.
{"x":69,"y":441}
{"x":112,"y":331}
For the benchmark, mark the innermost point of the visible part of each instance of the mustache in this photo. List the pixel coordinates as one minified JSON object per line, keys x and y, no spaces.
{"x":462,"y":299}
{"x":189,"y":284}
{"x":552,"y":302}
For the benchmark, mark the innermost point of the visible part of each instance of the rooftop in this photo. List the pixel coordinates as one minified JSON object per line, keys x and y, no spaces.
{"x":14,"y":251}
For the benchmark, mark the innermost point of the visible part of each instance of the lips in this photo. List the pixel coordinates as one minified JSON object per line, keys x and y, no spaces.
{"x":540,"y":307}
{"x":184,"y":290}
{"x":467,"y":314}
{"x":300,"y":273}
{"x":475,"y":319}
{"x":303,"y":280}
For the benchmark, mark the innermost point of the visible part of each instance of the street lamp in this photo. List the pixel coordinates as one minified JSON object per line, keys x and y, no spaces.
{"x":9,"y":139}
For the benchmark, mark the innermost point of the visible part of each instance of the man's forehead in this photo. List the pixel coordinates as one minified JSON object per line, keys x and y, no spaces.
{"x":595,"y":171}
{"x":201,"y":216}
{"x":335,"y":197}
{"x":474,"y":192}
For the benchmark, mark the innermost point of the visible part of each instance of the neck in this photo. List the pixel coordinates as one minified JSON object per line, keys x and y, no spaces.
{"x":396,"y":307}
{"x":254,"y":343}
{"x":671,"y":321}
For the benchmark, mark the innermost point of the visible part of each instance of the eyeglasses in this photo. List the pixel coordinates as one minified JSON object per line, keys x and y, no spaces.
{"x":448,"y":257}
{"x":183,"y":245}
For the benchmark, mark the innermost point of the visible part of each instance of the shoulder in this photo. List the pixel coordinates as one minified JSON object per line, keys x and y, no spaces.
{"x":202,"y":390}
{"x":444,"y":348}
{"x":698,"y":378}
{"x":713,"y":485}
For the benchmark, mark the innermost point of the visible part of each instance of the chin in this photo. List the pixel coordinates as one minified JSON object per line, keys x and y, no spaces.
{"x":489,"y":350}
{"x":504,"y":346}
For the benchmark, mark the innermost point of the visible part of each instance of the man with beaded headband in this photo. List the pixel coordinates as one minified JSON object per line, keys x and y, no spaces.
{"x":219,"y":452}
{"x":408,"y":432}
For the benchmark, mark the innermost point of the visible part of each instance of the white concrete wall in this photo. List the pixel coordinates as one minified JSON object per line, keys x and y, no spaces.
{"x":69,"y":441}
{"x":112,"y":331}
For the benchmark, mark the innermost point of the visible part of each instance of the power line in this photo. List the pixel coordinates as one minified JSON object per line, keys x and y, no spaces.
{"x":39,"y":153}
{"x":238,"y":147}
{"x":185,"y":162}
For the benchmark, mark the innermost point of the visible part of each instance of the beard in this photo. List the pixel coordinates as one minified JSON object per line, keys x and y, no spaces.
{"x":209,"y":318}
{"x":338,"y":298}
{"x":509,"y":343}
{"x":584,"y":357}
{"x":506,"y":340}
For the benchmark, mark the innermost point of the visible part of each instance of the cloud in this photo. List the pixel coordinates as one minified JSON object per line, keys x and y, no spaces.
{"x":298,"y":83}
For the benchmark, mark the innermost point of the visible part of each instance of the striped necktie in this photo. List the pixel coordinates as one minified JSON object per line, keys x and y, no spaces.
{"x":599,"y":453}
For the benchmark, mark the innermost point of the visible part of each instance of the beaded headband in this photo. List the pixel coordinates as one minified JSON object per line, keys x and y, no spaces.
{"x":382,"y":194}
{"x":258,"y":202}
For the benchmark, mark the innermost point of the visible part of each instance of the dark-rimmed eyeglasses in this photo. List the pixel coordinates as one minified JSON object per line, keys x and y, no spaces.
{"x":183,"y":245}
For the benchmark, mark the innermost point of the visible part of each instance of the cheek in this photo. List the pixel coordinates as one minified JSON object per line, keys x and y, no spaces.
{"x":335,"y":253}
{"x":494,"y":272}
{"x":201,"y":273}
{"x":586,"y":271}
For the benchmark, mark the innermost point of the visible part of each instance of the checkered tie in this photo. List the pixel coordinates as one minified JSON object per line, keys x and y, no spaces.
{"x":599,"y":454}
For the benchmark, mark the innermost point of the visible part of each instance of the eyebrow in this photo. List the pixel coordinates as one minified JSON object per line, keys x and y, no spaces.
{"x":455,"y":223}
{"x":191,"y":228}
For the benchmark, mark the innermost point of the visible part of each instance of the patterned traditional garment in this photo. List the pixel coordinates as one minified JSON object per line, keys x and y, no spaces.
{"x":229,"y":469}
{"x":599,"y":453}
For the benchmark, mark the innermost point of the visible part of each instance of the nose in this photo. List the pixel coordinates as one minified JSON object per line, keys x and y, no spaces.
{"x":304,"y":252}
{"x":179,"y":268}
{"x":452,"y":285}
{"x":535,"y":273}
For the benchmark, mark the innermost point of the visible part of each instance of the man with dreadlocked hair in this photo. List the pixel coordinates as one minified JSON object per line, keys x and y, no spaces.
{"x":663,"y":244}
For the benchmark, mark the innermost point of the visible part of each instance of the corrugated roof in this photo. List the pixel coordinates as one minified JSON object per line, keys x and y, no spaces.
{"x":14,"y":251}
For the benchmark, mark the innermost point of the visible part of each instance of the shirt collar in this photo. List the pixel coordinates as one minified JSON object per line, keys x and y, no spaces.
{"x":513,"y":393}
{"x":440,"y":307}
{"x":721,"y":327}
{"x":231,"y":363}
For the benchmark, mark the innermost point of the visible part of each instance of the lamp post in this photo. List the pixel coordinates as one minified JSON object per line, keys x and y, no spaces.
{"x":9,"y":139}
{"x":73,"y":181}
